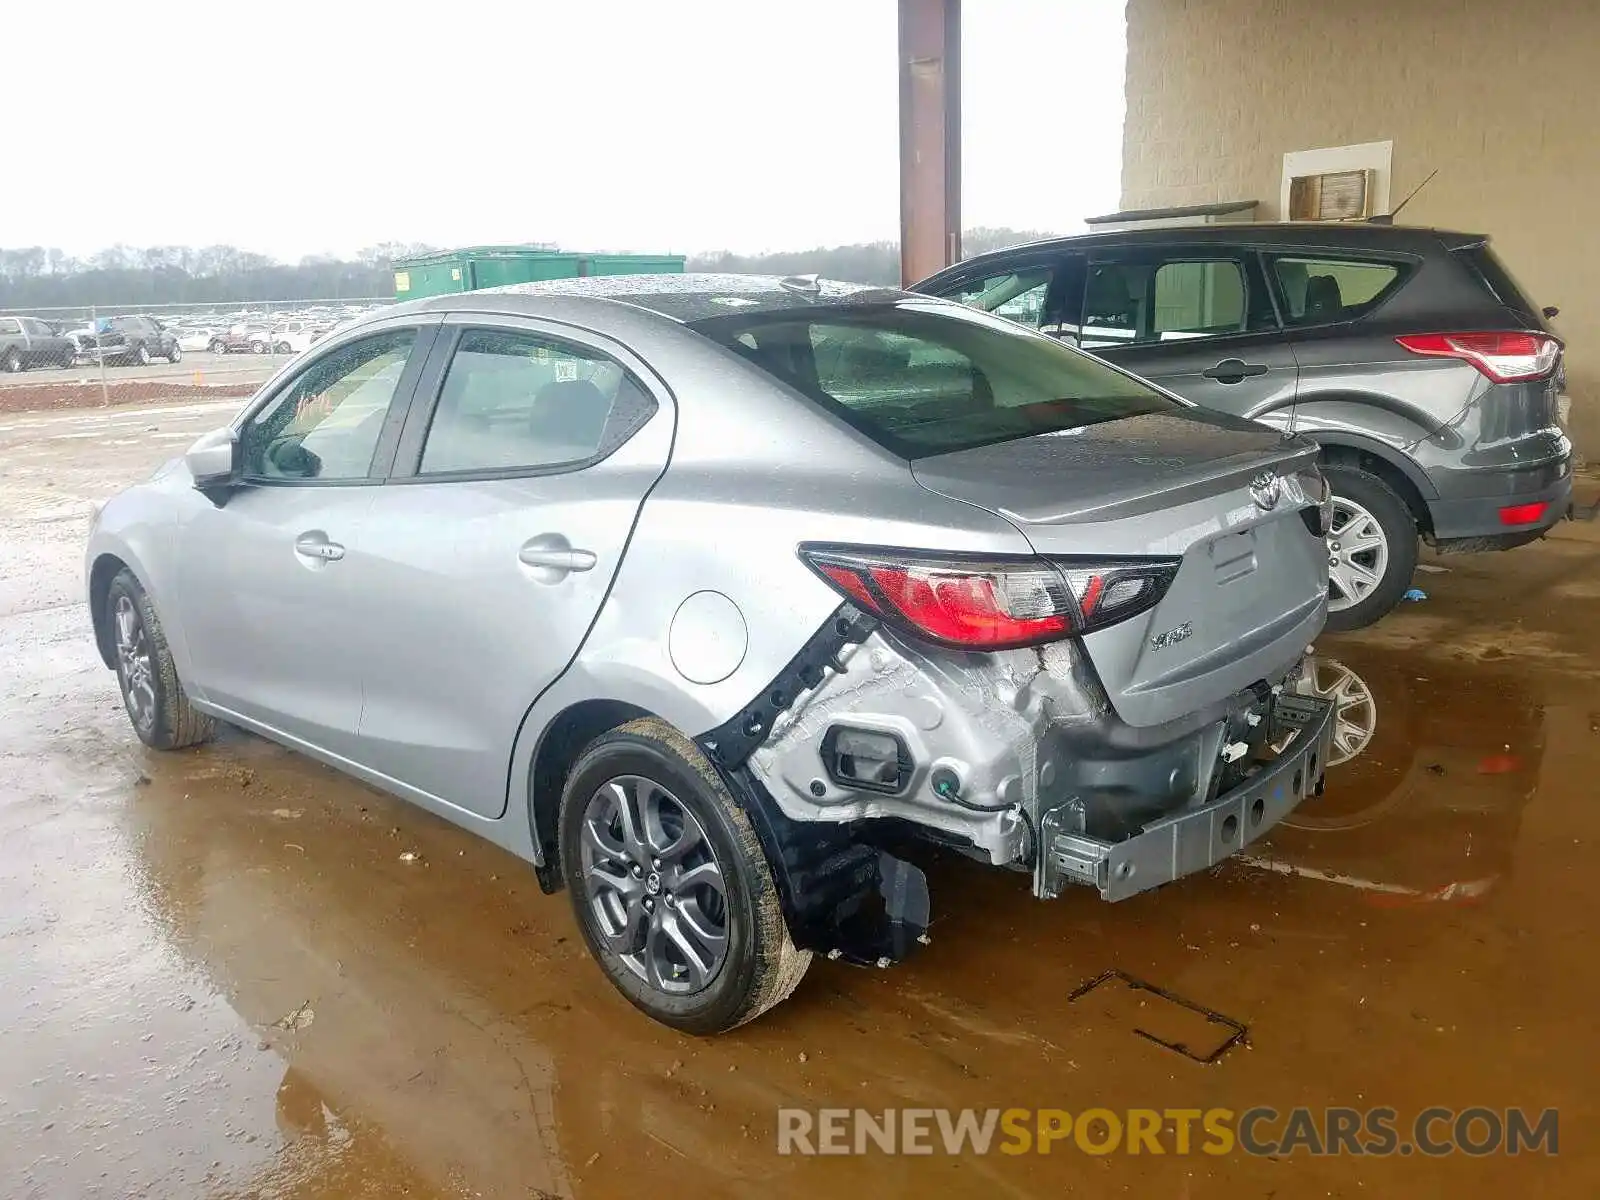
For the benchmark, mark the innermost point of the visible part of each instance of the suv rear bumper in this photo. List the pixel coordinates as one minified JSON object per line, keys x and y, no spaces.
{"x":1476,"y":522}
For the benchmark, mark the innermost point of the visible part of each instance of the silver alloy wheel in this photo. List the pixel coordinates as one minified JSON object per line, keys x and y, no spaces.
{"x":133,"y":665}
{"x":655,"y":890}
{"x":1358,"y":554}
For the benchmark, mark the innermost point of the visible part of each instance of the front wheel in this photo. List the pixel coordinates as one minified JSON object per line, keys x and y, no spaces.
{"x":669,"y":884}
{"x":1372,"y":548}
{"x":175,"y":355}
{"x":11,"y":362}
{"x":161,"y":714}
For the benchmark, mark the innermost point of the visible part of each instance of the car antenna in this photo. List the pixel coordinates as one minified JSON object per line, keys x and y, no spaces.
{"x":809,"y":285}
{"x":1388,"y":217}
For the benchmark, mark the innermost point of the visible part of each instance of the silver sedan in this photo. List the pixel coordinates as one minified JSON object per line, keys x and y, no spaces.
{"x":693,"y":590}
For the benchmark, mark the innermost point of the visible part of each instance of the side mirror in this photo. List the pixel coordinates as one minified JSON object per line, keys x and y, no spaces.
{"x":213,"y":461}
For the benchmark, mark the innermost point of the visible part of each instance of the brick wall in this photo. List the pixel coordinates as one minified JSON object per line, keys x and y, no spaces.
{"x":1502,"y":97}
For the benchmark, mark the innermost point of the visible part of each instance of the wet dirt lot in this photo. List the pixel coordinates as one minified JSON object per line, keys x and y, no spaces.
{"x":220,"y":978}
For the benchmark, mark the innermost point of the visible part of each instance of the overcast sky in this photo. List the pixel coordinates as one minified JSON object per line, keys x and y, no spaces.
{"x":292,"y":128}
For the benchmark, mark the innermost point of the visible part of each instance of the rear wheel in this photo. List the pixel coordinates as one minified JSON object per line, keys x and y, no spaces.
{"x":1372,"y":548}
{"x":11,"y":362}
{"x":161,"y":714}
{"x":671,"y":889}
{"x":141,"y":354}
{"x":175,"y":355}
{"x":218,"y":346}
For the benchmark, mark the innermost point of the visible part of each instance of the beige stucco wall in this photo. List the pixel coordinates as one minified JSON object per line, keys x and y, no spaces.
{"x":1502,"y":96}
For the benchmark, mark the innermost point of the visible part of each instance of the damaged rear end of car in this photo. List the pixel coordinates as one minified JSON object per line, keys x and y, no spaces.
{"x":1106,"y":701}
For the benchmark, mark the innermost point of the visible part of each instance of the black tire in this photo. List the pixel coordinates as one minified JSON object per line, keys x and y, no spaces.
{"x":171,"y":722}
{"x":11,"y":362}
{"x":1399,"y":528}
{"x":175,"y":355}
{"x":218,"y":346}
{"x":141,"y":354}
{"x":760,"y":966}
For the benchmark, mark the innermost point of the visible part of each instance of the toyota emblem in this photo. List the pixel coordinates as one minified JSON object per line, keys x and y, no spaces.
{"x":1265,"y":489}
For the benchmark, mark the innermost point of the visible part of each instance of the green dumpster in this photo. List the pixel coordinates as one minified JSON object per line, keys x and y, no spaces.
{"x":477,"y":267}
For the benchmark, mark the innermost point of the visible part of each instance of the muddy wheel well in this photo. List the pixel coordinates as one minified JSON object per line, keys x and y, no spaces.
{"x":1390,"y":474}
{"x":100,"y":576}
{"x":559,"y":747}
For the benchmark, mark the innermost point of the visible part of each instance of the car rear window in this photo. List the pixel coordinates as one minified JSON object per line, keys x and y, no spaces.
{"x":921,"y":378}
{"x":1486,"y":264}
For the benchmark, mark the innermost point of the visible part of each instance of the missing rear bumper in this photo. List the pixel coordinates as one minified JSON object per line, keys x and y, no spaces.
{"x":1195,"y":838}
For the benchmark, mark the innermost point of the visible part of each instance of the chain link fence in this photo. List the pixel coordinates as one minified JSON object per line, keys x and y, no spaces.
{"x":105,"y":353}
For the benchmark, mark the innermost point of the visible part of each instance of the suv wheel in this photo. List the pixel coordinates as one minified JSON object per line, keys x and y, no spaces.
{"x":670,"y":886}
{"x":11,"y":363}
{"x":141,"y":355}
{"x":1372,"y":548}
{"x":175,"y":355}
{"x":218,"y":346}
{"x":160,"y":712}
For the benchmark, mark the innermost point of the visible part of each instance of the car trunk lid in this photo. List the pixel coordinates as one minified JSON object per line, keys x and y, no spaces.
{"x":1220,"y":494}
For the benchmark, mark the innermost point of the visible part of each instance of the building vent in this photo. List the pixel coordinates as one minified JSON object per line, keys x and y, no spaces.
{"x":1335,"y":196}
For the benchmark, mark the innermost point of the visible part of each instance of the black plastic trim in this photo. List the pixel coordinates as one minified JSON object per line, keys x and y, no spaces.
{"x":730,"y":744}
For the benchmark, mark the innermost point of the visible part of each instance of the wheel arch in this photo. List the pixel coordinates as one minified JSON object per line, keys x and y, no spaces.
{"x":561,"y":742}
{"x":106,"y":567}
{"x":1394,"y":468}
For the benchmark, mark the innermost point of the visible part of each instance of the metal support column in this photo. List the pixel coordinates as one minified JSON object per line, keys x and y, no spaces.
{"x":930,"y":136}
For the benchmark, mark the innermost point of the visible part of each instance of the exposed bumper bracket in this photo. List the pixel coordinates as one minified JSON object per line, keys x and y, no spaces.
{"x":1195,"y":838}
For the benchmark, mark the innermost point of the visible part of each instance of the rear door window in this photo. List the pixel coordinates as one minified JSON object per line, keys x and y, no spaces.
{"x":1319,"y":291}
{"x":1150,"y":299}
{"x":516,"y":402}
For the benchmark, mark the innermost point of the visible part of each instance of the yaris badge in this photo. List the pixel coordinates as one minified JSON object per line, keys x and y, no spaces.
{"x":1265,"y":489}
{"x":1172,"y":636}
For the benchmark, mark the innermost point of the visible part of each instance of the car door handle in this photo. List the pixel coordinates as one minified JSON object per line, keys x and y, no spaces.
{"x":557,"y":560}
{"x":1232,"y":370}
{"x":317,"y":547}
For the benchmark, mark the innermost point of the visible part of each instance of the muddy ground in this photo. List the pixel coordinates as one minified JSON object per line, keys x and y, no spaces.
{"x":220,"y":976}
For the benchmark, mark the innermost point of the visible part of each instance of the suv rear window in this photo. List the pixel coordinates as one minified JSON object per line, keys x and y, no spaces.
{"x":921,"y":379}
{"x":1316,"y":291}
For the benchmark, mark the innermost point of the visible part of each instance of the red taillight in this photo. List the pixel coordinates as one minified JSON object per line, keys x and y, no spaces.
{"x":976,"y":603}
{"x":1501,"y":357}
{"x":1523,"y":514}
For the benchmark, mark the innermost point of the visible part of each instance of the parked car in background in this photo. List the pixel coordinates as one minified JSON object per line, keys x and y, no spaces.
{"x":1429,"y":376}
{"x":296,"y":335}
{"x":250,"y":338}
{"x":134,"y":341}
{"x":29,"y":342}
{"x":194,"y":338}
{"x":723,"y":580}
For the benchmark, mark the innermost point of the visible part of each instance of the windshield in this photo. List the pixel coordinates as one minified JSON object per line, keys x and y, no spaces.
{"x":921,"y":378}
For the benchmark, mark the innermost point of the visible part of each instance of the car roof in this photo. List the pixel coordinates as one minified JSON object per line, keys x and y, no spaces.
{"x":1364,"y":235}
{"x":685,"y":298}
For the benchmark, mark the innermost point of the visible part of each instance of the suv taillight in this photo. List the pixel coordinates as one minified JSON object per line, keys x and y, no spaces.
{"x":983,"y":603}
{"x":1500,"y":357}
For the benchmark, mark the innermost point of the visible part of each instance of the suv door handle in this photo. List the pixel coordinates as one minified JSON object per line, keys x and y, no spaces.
{"x":1232,"y":370}
{"x":318,"y":548}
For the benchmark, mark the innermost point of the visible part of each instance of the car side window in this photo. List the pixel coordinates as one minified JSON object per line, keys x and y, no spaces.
{"x":10,"y":325}
{"x":514,"y":402}
{"x":1168,"y":301}
{"x":1019,"y":295}
{"x":1317,"y":291}
{"x":325,"y":426}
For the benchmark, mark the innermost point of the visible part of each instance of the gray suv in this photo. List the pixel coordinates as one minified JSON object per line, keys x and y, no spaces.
{"x":703,"y":593}
{"x":1429,"y":377}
